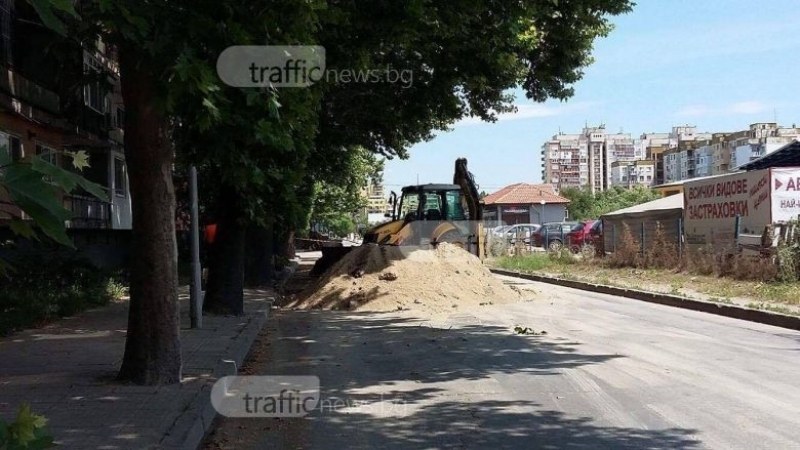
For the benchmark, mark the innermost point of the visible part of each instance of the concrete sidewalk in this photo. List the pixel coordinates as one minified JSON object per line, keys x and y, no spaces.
{"x":66,"y":372}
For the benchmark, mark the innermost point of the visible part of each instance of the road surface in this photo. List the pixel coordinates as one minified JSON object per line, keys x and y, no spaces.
{"x":609,"y":373}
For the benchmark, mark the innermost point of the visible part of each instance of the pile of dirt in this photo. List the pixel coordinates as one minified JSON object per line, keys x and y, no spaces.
{"x":391,"y":278}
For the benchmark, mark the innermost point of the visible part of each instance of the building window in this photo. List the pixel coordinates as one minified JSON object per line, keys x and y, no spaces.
{"x":119,"y":118}
{"x":6,"y":22}
{"x":120,"y":179}
{"x":12,"y":146}
{"x":93,"y":95}
{"x":46,"y":153}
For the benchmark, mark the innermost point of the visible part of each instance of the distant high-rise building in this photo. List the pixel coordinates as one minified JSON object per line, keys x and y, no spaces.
{"x":584,"y":159}
{"x":597,"y":160}
{"x":760,"y":139}
{"x":632,"y":173}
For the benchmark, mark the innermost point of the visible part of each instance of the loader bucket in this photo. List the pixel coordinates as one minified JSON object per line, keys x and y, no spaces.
{"x":330,"y":256}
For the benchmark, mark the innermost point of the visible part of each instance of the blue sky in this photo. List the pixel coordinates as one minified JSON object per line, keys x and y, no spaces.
{"x":717,"y":64}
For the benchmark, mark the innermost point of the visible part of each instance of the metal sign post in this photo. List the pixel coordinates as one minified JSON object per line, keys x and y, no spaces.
{"x":195,"y":294}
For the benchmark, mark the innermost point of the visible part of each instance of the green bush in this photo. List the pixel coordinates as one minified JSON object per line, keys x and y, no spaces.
{"x":35,"y":291}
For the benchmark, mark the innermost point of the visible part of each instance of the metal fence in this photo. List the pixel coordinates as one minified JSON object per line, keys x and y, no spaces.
{"x":643,"y":231}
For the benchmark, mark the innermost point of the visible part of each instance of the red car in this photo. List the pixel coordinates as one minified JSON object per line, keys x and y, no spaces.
{"x":585,"y":234}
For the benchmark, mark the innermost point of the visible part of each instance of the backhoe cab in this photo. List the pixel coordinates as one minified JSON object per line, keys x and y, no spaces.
{"x":430,"y":214}
{"x":427,"y":215}
{"x":424,"y":214}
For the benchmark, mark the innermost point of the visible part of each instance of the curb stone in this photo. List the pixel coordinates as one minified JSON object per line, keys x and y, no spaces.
{"x":736,"y":312}
{"x":189,"y":430}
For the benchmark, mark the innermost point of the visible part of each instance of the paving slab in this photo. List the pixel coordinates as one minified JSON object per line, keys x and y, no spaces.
{"x":66,"y":371}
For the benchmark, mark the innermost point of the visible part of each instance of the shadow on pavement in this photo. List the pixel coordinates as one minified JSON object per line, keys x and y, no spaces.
{"x":404,"y":384}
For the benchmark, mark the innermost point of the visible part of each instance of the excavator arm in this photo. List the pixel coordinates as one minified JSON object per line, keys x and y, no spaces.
{"x":464,"y":178}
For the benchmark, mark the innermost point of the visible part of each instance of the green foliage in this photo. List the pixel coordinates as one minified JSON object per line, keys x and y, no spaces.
{"x":563,"y":256}
{"x":26,"y":432}
{"x":528,"y":263}
{"x":340,"y":225}
{"x":789,"y":254}
{"x":465,"y":57}
{"x":53,"y":12}
{"x":340,"y":196}
{"x":36,"y":187}
{"x":35,"y":293}
{"x":585,"y":205}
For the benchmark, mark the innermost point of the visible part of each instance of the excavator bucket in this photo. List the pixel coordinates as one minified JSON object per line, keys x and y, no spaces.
{"x":330,"y":256}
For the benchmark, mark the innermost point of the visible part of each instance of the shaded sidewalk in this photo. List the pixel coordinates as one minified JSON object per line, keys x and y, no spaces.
{"x":66,"y":371}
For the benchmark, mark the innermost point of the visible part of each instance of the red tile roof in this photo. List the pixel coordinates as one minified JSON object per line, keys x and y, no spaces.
{"x":523,"y":193}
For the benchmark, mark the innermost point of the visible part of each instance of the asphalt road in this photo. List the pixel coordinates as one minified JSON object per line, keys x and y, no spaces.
{"x":609,"y":373}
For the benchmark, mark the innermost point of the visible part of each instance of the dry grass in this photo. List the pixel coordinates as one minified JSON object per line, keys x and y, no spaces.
{"x":714,"y":274}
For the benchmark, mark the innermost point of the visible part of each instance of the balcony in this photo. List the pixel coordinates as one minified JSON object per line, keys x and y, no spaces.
{"x":29,"y":92}
{"x":89,"y":212}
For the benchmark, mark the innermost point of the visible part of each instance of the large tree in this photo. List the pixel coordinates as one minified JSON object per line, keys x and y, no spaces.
{"x":464,"y":56}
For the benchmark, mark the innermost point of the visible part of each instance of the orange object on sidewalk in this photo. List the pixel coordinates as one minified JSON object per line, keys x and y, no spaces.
{"x":210,"y":233}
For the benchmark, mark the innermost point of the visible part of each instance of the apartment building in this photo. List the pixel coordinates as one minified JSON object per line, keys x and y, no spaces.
{"x":632,"y":173}
{"x":565,"y":161}
{"x":374,"y":194}
{"x":760,"y":139}
{"x":41,"y":113}
{"x":654,"y":146}
{"x":585,"y":158}
{"x":598,"y":159}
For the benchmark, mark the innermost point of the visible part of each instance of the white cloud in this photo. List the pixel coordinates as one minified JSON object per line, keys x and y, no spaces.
{"x":530,"y":111}
{"x":751,"y":107}
{"x":738,"y":108}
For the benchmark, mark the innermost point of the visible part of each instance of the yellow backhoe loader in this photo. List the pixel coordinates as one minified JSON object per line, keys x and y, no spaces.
{"x":425,"y":216}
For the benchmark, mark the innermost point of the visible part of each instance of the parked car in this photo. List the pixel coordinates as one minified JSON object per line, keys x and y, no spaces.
{"x":552,"y":235}
{"x":523,"y":230}
{"x":586,"y":234}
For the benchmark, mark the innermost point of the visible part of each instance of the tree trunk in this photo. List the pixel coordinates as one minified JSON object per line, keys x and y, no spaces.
{"x":287,"y":244}
{"x":152,"y":348}
{"x":258,"y":261}
{"x":225,"y":292}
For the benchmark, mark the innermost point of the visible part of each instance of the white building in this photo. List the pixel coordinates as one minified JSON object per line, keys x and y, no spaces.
{"x":632,"y":173}
{"x":585,"y":158}
{"x":761,"y":139}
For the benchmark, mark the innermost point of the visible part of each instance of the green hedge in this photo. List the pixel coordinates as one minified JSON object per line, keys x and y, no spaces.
{"x":41,"y":288}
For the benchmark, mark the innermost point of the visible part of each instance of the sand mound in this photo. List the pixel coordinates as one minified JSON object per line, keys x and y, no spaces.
{"x":390,"y":278}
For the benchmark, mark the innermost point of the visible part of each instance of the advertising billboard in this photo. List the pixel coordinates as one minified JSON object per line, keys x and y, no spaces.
{"x":712,"y":206}
{"x":785,"y":194}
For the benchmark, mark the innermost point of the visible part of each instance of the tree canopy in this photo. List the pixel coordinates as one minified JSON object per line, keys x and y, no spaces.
{"x":274,"y":154}
{"x":586,"y":205}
